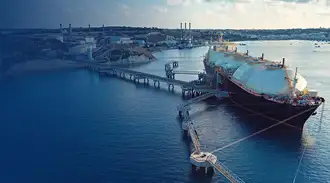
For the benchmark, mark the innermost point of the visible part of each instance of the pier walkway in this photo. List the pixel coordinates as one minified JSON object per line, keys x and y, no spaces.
{"x":186,"y":72}
{"x":149,"y":76}
{"x":206,"y":160}
{"x":224,"y":170}
{"x":203,"y":160}
{"x":194,"y":137}
{"x":136,"y":75}
{"x":198,"y":99}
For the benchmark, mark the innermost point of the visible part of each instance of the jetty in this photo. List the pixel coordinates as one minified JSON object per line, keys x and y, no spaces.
{"x":192,"y":88}
{"x":203,"y":162}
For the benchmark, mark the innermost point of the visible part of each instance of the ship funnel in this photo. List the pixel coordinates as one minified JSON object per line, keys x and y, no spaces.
{"x":283,"y":62}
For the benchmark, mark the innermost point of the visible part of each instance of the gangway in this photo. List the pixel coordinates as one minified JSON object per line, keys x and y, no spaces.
{"x":199,"y":98}
{"x":194,"y":137}
{"x":205,"y":160}
{"x":187,"y":72}
{"x":185,"y":108}
{"x":221,"y":168}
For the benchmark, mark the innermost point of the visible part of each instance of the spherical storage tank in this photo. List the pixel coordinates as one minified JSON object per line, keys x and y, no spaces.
{"x":225,"y":61}
{"x":259,"y":78}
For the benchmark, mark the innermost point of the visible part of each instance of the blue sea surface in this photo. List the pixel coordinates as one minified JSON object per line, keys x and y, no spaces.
{"x":79,"y":127}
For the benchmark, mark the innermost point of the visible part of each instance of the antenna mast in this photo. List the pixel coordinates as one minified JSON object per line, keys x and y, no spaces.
{"x":294,"y":83}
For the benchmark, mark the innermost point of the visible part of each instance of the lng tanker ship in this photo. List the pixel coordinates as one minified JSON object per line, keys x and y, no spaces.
{"x":266,"y":87}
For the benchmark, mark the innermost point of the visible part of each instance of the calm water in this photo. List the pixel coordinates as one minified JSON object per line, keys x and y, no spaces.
{"x":77,"y":127}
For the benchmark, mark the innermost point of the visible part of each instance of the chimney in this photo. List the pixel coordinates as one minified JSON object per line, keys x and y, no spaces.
{"x":70,"y":31}
{"x":189,"y":30}
{"x":181,"y":30}
{"x":283,"y":62}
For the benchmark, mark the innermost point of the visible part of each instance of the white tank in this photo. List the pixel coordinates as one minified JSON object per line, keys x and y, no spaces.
{"x":225,"y":60}
{"x":268,"y":80}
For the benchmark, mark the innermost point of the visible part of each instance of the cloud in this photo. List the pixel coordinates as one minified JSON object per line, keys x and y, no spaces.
{"x":160,"y":9}
{"x":269,"y":2}
{"x":175,"y":2}
{"x":125,"y":9}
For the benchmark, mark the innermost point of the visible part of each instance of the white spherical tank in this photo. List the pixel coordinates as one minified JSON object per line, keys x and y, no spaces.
{"x":224,"y":60}
{"x":259,"y":78}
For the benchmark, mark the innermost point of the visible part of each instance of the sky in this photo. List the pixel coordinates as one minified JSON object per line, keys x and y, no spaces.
{"x":203,"y":14}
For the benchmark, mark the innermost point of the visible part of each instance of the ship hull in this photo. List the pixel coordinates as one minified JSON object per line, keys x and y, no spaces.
{"x":268,"y":109}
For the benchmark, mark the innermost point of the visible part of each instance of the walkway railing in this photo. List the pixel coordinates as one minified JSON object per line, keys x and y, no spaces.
{"x":186,"y":72}
{"x":225,"y":171}
{"x":194,"y":137}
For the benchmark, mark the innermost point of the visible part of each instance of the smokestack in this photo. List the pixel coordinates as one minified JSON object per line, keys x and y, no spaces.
{"x":70,"y":31}
{"x":283,"y":62}
{"x":61,"y":29}
{"x":262,"y":56}
{"x":189,"y":30}
{"x":181,"y":30}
